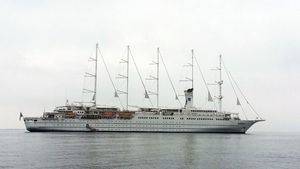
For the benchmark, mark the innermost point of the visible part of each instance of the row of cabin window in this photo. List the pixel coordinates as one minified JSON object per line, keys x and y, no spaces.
{"x":147,"y":117}
{"x":199,"y":118}
{"x":168,"y":118}
{"x":222,"y":119}
{"x":68,"y":125}
{"x":207,"y":111}
{"x":206,"y":114}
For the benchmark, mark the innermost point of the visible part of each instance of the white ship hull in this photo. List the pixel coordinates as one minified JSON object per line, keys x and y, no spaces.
{"x":137,"y":125}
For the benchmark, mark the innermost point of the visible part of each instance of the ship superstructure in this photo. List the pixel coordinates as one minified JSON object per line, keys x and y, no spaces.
{"x":90,"y":117}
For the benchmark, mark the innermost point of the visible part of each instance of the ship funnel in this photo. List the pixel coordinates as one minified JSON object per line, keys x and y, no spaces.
{"x":188,"y":98}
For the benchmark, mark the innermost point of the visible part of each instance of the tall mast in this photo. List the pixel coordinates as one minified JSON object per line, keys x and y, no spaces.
{"x":192,"y":65}
{"x":93,"y":75}
{"x":157,"y":79}
{"x":127,"y":79}
{"x":122,"y":76}
{"x":220,"y":82}
{"x":95,"y":85}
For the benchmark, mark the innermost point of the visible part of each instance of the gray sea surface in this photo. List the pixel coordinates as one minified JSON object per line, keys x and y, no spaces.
{"x":21,"y":149}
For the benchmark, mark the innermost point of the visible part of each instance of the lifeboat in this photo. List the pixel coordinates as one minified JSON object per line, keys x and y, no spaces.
{"x":70,"y":114}
{"x":108,"y":115}
{"x":125,"y":115}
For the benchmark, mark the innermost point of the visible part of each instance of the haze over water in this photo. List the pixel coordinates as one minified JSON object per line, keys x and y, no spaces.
{"x":45,"y":45}
{"x":20,"y":149}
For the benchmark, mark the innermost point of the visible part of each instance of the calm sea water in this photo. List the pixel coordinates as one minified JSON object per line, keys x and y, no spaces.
{"x":20,"y":149}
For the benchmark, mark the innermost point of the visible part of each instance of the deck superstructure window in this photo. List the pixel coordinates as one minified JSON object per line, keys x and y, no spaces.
{"x":168,"y":118}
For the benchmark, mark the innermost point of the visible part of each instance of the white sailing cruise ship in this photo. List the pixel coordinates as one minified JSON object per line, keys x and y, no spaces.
{"x":81,"y":117}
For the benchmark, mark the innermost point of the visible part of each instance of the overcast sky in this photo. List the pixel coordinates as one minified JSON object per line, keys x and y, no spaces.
{"x":45,"y":46}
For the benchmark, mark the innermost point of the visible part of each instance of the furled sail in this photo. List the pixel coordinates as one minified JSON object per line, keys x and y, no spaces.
{"x":238,"y":102}
{"x":209,"y":97}
{"x":146,"y":95}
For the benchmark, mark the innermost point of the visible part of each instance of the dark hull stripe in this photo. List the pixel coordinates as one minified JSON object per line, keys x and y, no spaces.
{"x":50,"y":130}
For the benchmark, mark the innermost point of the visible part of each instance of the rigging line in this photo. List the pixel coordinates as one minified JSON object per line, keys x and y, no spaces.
{"x":242,"y":93}
{"x":106,"y":68}
{"x":82,"y":93}
{"x":146,"y":91}
{"x":230,"y":80}
{"x":202,"y":76}
{"x":245,"y":97}
{"x":169,"y":78}
{"x":244,"y":112}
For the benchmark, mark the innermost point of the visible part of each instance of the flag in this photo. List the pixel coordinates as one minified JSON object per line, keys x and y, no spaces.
{"x":146,"y":95}
{"x":20,"y":116}
{"x":238,"y":102}
{"x":209,"y":97}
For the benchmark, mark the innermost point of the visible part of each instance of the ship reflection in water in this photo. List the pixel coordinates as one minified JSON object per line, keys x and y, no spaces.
{"x":148,"y":150}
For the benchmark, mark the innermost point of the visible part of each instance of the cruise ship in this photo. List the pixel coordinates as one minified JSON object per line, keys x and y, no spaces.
{"x":90,"y":117}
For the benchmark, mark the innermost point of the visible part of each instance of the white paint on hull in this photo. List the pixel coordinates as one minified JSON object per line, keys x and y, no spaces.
{"x":133,"y":125}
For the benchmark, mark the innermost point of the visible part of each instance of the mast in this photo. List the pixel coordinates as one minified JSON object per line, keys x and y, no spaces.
{"x":93,"y":75}
{"x":220,"y":82}
{"x":157,"y":79}
{"x":96,"y":67}
{"x":192,"y":66}
{"x":122,"y":76}
{"x":127,"y":79}
{"x":189,"y":92}
{"x":191,"y":77}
